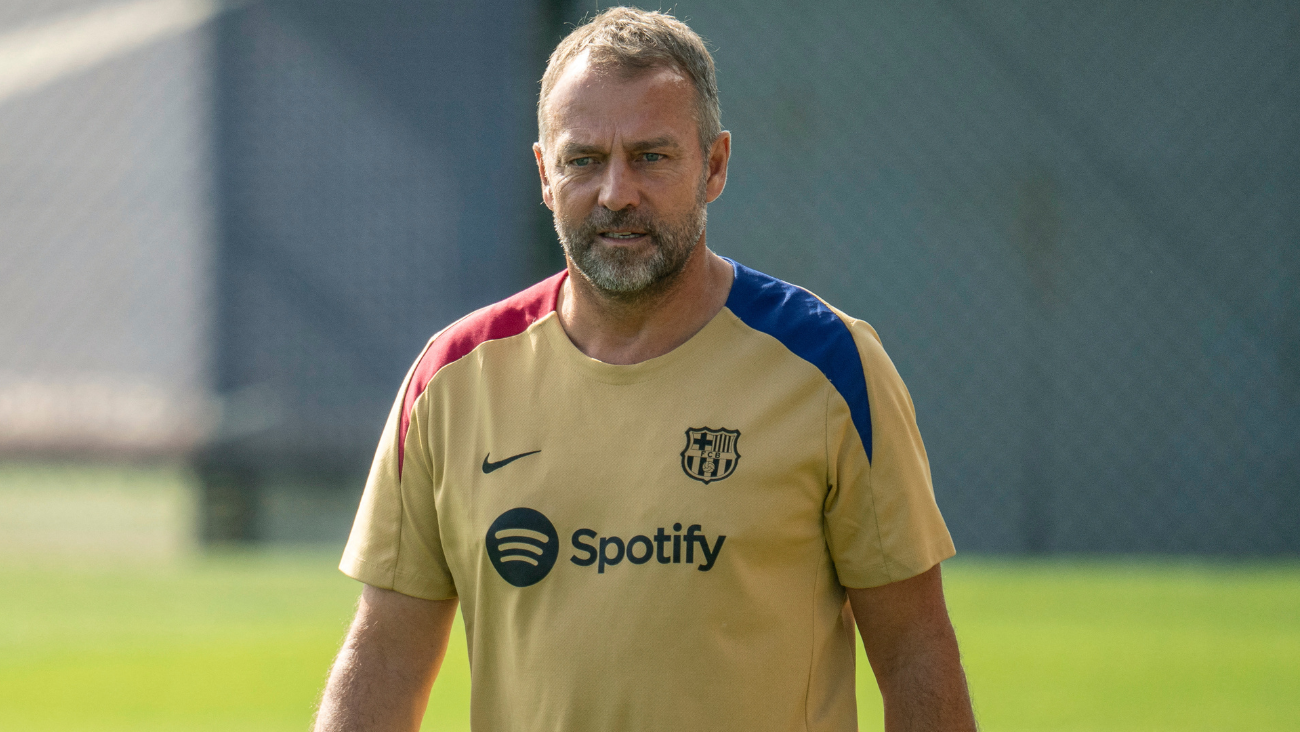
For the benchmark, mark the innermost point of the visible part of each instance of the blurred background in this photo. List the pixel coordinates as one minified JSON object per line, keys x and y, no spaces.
{"x":227,"y":228}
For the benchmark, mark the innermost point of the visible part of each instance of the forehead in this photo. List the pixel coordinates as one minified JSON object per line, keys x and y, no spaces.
{"x":592,"y":101}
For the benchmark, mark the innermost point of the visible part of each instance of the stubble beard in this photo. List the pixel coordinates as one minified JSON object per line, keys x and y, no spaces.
{"x":632,"y":275}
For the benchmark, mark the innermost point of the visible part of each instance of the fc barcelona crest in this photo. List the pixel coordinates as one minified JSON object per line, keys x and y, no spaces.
{"x":710,"y":454}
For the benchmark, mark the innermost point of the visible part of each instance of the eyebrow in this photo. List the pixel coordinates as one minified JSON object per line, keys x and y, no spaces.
{"x":571,"y":149}
{"x":657,"y":142}
{"x":568,"y":150}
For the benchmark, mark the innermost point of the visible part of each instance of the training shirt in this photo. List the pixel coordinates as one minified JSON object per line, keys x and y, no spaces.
{"x":660,"y":546}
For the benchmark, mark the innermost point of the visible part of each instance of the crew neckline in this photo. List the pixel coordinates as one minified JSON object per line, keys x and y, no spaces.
{"x":635,"y":373}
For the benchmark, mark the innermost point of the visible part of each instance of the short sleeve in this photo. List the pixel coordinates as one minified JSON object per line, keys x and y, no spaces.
{"x":882,"y":522}
{"x":395,"y":542}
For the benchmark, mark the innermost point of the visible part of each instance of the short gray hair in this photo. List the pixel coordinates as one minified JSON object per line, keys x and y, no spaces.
{"x":635,"y":40}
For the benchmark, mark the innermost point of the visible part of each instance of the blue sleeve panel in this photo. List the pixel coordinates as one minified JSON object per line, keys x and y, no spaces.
{"x":811,"y":331}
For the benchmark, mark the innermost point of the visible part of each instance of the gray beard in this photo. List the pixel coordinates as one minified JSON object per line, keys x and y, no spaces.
{"x":625,"y":275}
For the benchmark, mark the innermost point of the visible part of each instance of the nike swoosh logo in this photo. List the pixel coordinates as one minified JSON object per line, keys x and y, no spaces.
{"x":489,"y":466}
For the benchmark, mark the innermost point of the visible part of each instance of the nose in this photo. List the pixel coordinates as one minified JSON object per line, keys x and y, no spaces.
{"x":618,"y":189}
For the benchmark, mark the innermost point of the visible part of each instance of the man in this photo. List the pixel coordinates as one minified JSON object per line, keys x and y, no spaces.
{"x":651,"y":481}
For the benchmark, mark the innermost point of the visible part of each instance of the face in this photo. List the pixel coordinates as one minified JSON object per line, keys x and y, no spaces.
{"x":623,"y":172}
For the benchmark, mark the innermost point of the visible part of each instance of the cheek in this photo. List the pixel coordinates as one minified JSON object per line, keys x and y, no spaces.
{"x":569,"y":195}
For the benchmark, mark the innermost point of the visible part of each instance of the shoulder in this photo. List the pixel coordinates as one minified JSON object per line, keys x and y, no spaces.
{"x":811,"y":330}
{"x":505,"y":319}
{"x":787,"y":312}
{"x":800,"y":320}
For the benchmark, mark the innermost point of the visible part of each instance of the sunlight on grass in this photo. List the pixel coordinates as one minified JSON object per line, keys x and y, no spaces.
{"x":242,"y":641}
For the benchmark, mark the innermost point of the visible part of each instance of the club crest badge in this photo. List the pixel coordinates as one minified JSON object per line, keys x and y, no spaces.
{"x":710,"y":454}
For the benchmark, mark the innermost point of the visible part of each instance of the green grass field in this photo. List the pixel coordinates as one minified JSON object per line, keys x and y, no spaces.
{"x":109,"y":620}
{"x":242,"y":642}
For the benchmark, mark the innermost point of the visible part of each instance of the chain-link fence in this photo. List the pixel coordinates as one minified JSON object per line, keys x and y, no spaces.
{"x":1074,"y":225}
{"x":1076,"y":228}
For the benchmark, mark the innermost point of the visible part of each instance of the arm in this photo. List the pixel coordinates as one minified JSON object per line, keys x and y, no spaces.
{"x":382,"y":676}
{"x":913,"y":652}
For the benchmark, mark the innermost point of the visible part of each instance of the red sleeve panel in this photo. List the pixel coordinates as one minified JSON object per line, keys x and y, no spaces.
{"x":504,"y":319}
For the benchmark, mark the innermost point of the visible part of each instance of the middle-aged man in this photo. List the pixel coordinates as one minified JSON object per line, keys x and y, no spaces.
{"x":653,"y":480}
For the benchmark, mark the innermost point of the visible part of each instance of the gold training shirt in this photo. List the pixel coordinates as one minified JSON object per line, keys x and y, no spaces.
{"x":661,"y":546}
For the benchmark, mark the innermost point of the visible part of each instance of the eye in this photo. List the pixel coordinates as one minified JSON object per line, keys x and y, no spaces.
{"x":581,"y":162}
{"x":653,"y":157}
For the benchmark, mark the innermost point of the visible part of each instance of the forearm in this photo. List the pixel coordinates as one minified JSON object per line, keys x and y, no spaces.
{"x":913,"y":651}
{"x":926,"y":690}
{"x":381,"y":679}
{"x":364,"y":695}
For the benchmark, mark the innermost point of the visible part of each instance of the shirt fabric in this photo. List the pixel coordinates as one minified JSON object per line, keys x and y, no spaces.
{"x":660,"y":546}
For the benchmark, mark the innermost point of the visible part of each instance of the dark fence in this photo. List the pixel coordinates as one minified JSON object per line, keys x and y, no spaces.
{"x":1075,"y":226}
{"x":376,"y":183}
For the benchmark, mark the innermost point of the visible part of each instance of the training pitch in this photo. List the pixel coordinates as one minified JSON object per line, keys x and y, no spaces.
{"x":242,"y":641}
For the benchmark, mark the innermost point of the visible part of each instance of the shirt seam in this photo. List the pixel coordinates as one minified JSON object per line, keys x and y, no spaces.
{"x":871,"y":465}
{"x":826,"y":433}
{"x":812,"y":646}
{"x":401,"y":509}
{"x":870,"y":488}
{"x":401,"y":486}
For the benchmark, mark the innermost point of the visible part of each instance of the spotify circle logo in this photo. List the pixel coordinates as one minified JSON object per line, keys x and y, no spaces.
{"x":522,"y":545}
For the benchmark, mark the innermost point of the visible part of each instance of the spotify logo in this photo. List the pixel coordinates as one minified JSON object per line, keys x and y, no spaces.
{"x":522,"y":545}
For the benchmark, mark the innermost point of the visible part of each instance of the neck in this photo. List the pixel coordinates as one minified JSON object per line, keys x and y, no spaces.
{"x":631,"y":330}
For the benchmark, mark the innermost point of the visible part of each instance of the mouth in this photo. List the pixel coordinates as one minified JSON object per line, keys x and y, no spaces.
{"x":622,"y":236}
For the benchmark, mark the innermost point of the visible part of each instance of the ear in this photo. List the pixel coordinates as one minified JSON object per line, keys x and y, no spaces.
{"x":540,"y":154}
{"x":719,"y":155}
